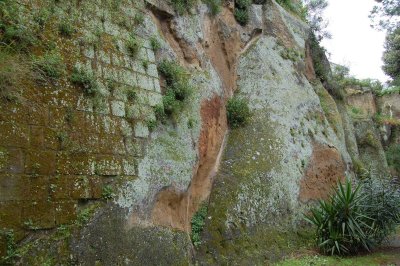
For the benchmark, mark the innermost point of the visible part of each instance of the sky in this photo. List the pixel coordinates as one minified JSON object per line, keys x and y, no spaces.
{"x":354,"y":43}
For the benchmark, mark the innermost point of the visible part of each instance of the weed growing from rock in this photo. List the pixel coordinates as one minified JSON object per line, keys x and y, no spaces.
{"x":182,"y":6}
{"x":66,"y":29}
{"x":238,"y":112}
{"x":242,"y":11}
{"x":214,"y":5}
{"x":49,"y":66}
{"x":107,"y":193}
{"x":133,"y":46}
{"x":86,"y":81}
{"x":178,"y":88}
{"x":155,"y":43}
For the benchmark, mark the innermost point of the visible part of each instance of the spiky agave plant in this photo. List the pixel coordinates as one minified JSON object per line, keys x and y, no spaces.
{"x":342,"y":225}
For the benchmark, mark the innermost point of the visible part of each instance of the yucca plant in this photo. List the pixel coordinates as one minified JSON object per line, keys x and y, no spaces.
{"x":358,"y":219}
{"x":342,"y":225}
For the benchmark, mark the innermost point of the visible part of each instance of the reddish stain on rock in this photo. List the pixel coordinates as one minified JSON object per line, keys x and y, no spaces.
{"x":324,"y":170}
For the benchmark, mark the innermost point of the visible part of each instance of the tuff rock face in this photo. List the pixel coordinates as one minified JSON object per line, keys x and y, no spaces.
{"x":256,"y":180}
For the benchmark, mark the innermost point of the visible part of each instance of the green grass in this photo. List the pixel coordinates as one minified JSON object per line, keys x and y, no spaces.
{"x":375,"y":259}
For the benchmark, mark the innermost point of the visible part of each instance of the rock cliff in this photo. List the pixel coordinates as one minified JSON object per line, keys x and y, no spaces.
{"x":111,"y":176}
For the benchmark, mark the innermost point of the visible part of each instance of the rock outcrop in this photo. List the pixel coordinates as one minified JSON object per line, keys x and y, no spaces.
{"x":104,"y":181}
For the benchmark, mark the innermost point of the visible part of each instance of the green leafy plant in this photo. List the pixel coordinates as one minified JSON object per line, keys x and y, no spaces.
{"x":214,"y":5}
{"x":107,"y":192}
{"x":152,"y":124}
{"x":238,"y":112}
{"x":145,"y":64}
{"x":241,"y":16}
{"x":356,"y":219}
{"x":342,"y":226}
{"x":11,"y":247}
{"x":382,"y":204}
{"x":86,"y":81}
{"x":241,"y":12}
{"x":198,"y":222}
{"x":138,"y":18}
{"x":182,"y":6}
{"x":369,"y":139}
{"x":65,"y":28}
{"x":49,"y":66}
{"x":13,"y":71}
{"x":131,"y":94}
{"x":133,"y":46}
{"x":178,"y":88}
{"x":393,"y":156}
{"x":15,"y":29}
{"x":155,"y":43}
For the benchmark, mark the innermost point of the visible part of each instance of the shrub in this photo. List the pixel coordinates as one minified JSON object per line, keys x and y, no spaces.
{"x":242,"y":16}
{"x":354,"y":220}
{"x":382,"y":204}
{"x":178,"y":88}
{"x":133,"y":46}
{"x":198,"y":222}
{"x":155,"y":43}
{"x":65,"y":28}
{"x":11,"y":247}
{"x":393,"y":156}
{"x":238,"y":112}
{"x":86,"y":81}
{"x":342,"y":225}
{"x":182,"y":6}
{"x":241,"y":12}
{"x":171,"y":104}
{"x":138,"y":18}
{"x":131,"y":94}
{"x":107,"y":192}
{"x":242,"y":4}
{"x":49,"y":66}
{"x":214,"y":5}
{"x":13,"y":72}
{"x":160,"y":112}
{"x":369,"y":139}
{"x":14,"y":30}
{"x":152,"y":124}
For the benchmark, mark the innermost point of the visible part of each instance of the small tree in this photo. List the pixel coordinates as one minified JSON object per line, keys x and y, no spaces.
{"x":386,"y":15}
{"x":318,"y":25}
{"x":391,"y":56}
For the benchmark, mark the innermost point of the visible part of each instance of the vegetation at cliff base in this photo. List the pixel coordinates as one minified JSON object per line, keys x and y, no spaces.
{"x":356,"y":218}
{"x":393,"y":156}
{"x":197,"y":223}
